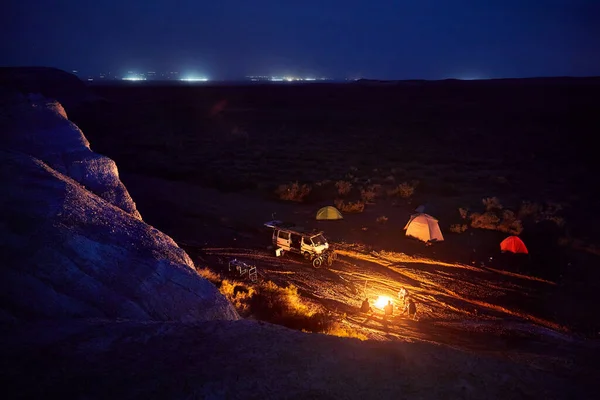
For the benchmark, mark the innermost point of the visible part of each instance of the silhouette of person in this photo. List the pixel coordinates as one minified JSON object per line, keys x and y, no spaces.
{"x":365,"y":307}
{"x":411,"y":308}
{"x":389,"y":308}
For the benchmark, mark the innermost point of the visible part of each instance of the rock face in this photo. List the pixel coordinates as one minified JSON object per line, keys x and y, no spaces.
{"x":249,"y":360}
{"x":72,"y":242}
{"x":40,"y":127}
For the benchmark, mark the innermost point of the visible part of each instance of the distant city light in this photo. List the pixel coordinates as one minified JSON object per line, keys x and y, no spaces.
{"x":291,"y":79}
{"x":194,"y":79}
{"x":154,"y":75}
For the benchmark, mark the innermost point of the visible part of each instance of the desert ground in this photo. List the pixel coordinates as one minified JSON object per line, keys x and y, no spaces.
{"x":206,"y":165}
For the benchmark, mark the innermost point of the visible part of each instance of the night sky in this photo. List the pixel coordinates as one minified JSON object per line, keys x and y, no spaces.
{"x":385,"y":39}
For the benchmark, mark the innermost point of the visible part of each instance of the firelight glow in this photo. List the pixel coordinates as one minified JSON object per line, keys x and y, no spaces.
{"x":382,"y":301}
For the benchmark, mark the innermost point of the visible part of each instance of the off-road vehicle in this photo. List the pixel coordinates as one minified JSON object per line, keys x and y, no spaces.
{"x":311,"y":245}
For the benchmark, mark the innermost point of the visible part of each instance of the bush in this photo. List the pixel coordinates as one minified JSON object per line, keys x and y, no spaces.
{"x":404,"y":190}
{"x":497,"y":218}
{"x":458,"y":228}
{"x":382,"y":219}
{"x":490,"y":220}
{"x":510,"y":223}
{"x":463,"y":212}
{"x":528,"y":209}
{"x":369,"y":194}
{"x":209,"y":275}
{"x":356,"y":207}
{"x":538,"y":212}
{"x":279,"y":305}
{"x":492,"y":203}
{"x":343,"y":187}
{"x":337,"y":329}
{"x":487,"y":220}
{"x":293,"y":192}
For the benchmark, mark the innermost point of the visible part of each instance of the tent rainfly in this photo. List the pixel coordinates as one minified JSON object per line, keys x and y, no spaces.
{"x":329,"y":213}
{"x":514,"y":245}
{"x":424,"y":227}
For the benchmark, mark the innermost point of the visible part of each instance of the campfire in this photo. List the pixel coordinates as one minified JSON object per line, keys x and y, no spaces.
{"x":382,"y":301}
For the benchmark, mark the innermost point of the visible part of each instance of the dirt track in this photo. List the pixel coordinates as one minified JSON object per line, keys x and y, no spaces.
{"x":452,"y":299}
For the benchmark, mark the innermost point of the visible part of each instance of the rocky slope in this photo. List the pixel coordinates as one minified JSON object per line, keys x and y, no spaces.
{"x":73,"y":243}
{"x":250,"y":360}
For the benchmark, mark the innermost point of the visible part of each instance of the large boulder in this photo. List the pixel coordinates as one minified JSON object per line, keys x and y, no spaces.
{"x":69,"y":253}
{"x":71,"y":239}
{"x":39,"y":127}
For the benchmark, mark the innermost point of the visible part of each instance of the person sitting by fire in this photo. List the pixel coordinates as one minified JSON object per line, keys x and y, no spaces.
{"x":389,"y":308}
{"x":366,"y":308}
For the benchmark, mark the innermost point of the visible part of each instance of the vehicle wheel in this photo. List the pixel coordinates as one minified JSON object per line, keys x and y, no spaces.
{"x":306,"y":255}
{"x":317,"y":262}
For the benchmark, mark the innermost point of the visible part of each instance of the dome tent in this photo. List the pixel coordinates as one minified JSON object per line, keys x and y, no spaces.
{"x":424,"y":227}
{"x":329,"y":213}
{"x":513,"y":244}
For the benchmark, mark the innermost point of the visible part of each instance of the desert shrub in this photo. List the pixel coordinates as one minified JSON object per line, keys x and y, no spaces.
{"x":492,"y":203}
{"x":549,"y":212}
{"x":538,"y":212}
{"x":268,"y":302}
{"x":293,"y":192}
{"x":343,"y":187}
{"x":337,"y":329}
{"x":528,"y":209}
{"x":458,"y":228}
{"x":404,"y":190}
{"x":506,"y":222}
{"x":510,"y":223}
{"x":209,"y":275}
{"x":350,"y":207}
{"x":487,"y":220}
{"x":238,"y":294}
{"x":382,"y":219}
{"x":368,"y":194}
{"x":283,"y":306}
{"x":463,"y":212}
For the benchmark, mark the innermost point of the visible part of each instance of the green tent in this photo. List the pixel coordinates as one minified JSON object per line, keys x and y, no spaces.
{"x":329,"y":212}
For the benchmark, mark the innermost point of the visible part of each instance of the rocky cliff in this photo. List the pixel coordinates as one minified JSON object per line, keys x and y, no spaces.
{"x":73,"y":243}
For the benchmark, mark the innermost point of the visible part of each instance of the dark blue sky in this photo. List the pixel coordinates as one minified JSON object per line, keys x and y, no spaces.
{"x":387,"y":39}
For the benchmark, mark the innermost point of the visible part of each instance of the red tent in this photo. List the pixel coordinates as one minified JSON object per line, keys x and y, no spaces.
{"x":514,"y":245}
